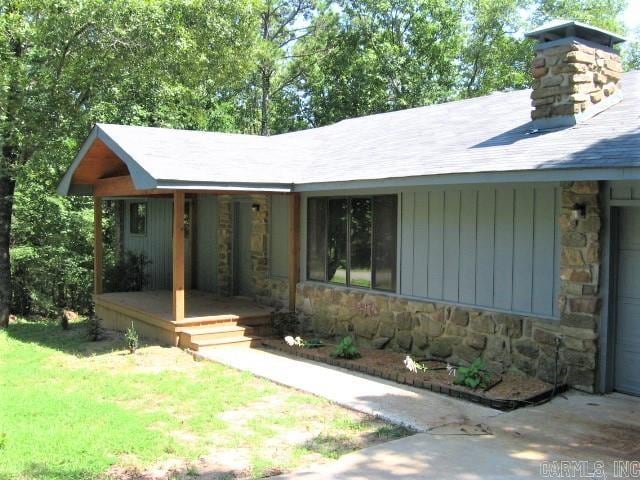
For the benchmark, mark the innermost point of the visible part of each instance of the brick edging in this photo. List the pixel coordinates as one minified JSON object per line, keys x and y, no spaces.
{"x":499,"y":404}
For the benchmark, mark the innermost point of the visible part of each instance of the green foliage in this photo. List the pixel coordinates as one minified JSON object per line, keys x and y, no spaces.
{"x":285,"y":322}
{"x":245,"y":66}
{"x":473,"y":376}
{"x":314,"y":343}
{"x":132,"y":339}
{"x":128,"y":274}
{"x":94,"y":329}
{"x":346,"y":349}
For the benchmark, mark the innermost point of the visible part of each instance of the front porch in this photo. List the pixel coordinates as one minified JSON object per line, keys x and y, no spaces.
{"x":209,"y":321}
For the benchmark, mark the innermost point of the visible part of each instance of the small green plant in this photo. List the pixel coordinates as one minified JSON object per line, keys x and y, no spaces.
{"x":346,"y":349}
{"x":94,"y":330}
{"x":473,"y":376}
{"x":314,"y":343}
{"x":132,"y":339}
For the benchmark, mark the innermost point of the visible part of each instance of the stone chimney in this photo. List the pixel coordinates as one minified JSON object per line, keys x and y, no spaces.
{"x":576,"y":73}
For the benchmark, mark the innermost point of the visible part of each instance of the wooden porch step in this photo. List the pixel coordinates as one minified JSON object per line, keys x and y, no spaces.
{"x":247,"y":342}
{"x":203,"y":322}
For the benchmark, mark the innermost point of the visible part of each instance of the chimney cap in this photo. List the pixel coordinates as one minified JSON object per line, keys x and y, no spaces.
{"x":559,"y":29}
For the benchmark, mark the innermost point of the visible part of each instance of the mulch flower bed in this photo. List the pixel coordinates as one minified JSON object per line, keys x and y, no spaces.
{"x":504,"y":391}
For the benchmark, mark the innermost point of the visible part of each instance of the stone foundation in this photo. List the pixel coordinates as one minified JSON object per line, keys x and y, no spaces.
{"x":460,"y":334}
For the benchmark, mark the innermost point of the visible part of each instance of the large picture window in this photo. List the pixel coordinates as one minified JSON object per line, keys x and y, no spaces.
{"x":352,"y":241}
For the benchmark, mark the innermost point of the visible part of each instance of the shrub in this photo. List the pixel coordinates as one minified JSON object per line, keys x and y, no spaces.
{"x":132,"y":339}
{"x":128,"y":274}
{"x":94,"y":330}
{"x":346,"y":349}
{"x":285,"y":322}
{"x":473,"y":376}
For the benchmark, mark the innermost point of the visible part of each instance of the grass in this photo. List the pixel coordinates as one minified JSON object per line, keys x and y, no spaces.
{"x":73,"y":409}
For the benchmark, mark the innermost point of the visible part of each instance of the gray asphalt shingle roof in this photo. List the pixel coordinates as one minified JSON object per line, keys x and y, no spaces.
{"x":486,"y":134}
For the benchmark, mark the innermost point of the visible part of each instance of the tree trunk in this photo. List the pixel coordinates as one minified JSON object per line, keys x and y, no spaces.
{"x":266,"y":91}
{"x":7,"y":187}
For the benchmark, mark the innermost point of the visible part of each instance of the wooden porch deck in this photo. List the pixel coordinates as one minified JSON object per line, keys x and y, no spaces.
{"x":209,"y":321}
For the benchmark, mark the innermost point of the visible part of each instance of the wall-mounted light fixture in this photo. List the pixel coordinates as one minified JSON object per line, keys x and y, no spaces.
{"x":255,"y":207}
{"x":579,"y":210}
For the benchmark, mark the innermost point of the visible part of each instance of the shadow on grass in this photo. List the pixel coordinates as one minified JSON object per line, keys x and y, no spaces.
{"x":74,"y":341}
{"x":40,"y":471}
{"x":334,"y":445}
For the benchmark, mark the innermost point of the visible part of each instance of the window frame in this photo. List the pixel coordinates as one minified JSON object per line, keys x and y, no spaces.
{"x":131,"y":217}
{"x":372,"y":255}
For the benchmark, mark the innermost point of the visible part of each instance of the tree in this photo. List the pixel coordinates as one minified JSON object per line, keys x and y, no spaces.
{"x":382,"y":56}
{"x":282,"y":24}
{"x":494,"y":57}
{"x":65,"y":64}
{"x":605,"y":14}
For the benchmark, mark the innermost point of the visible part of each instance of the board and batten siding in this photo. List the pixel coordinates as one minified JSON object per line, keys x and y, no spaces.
{"x":157,"y":242}
{"x":206,"y":255}
{"x":279,"y":236}
{"x":493,"y":246}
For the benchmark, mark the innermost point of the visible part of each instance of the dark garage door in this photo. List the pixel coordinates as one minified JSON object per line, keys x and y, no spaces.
{"x":627,"y":367}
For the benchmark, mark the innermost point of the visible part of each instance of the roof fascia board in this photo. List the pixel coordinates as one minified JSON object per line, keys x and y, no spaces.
{"x":65,"y":184}
{"x":543,"y":175}
{"x":225,"y":186}
{"x":141,"y":178}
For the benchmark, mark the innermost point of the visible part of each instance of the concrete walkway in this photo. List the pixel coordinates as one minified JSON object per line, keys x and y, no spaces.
{"x":594,"y":430}
{"x":399,"y":404}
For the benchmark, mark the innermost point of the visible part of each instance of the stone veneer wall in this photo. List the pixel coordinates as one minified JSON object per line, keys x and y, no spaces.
{"x":571,"y":78}
{"x":266,"y":289}
{"x":460,"y":334}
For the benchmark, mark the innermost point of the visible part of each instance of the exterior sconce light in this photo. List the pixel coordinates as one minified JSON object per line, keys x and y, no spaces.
{"x":578,"y":211}
{"x":255,"y":207}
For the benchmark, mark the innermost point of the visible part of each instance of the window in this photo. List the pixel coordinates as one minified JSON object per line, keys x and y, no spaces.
{"x":352,"y":241}
{"x":138,"y":218}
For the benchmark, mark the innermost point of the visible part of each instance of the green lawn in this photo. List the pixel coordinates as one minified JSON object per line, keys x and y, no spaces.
{"x":73,"y":409}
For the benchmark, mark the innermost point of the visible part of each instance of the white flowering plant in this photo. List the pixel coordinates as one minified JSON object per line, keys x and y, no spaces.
{"x":414,"y":366}
{"x":294,"y":342}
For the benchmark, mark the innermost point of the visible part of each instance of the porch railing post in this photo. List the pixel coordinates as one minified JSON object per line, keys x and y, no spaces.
{"x":294,"y":247}
{"x":97,"y":245}
{"x":178,"y":256}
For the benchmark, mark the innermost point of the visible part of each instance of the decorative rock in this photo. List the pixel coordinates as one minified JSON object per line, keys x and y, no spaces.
{"x":380,"y":342}
{"x":465,"y":353}
{"x":420,"y":339}
{"x":404,"y":339}
{"x":476,"y":341}
{"x":495,"y":348}
{"x":525,"y":365}
{"x":443,"y":347}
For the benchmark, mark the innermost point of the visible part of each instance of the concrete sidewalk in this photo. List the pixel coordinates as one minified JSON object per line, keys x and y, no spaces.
{"x":399,"y":404}
{"x":593,"y":429}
